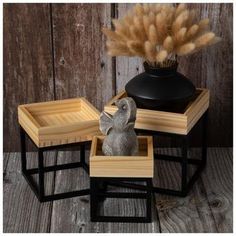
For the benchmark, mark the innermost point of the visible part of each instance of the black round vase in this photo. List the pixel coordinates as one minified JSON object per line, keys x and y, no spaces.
{"x":160,"y":88}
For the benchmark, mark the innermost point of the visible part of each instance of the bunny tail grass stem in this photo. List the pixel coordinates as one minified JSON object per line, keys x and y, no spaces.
{"x":169,"y":29}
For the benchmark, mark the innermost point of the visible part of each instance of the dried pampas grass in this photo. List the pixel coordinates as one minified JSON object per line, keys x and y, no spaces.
{"x":159,"y":32}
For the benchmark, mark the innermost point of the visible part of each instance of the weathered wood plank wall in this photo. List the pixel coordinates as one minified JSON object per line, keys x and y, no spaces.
{"x":56,"y":51}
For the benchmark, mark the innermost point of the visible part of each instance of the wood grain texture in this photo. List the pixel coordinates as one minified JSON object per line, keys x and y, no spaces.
{"x":82,"y":67}
{"x":169,"y":122}
{"x":207,"y":208}
{"x":27,"y":68}
{"x":59,"y":122}
{"x":212,"y":68}
{"x":73,"y":215}
{"x":126,"y":67}
{"x":218,"y":186}
{"x":140,"y":166}
{"x":62,"y":45}
{"x":22,"y":211}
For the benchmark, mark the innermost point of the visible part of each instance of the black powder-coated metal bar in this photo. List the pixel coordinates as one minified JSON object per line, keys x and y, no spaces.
{"x":183,"y":160}
{"x":93,"y":202}
{"x":82,"y":153}
{"x":96,"y":193}
{"x":86,"y":167}
{"x":122,"y":195}
{"x":149,"y":201}
{"x":166,"y":191}
{"x":176,"y":159}
{"x":167,"y":158}
{"x":184,"y":165}
{"x":55,"y":168}
{"x":195,"y":176}
{"x":122,"y":219}
{"x":23,"y":150}
{"x":31,"y":183}
{"x":127,"y":185}
{"x":59,"y":196}
{"x":204,"y":137}
{"x":41,"y":174}
{"x":39,"y":190}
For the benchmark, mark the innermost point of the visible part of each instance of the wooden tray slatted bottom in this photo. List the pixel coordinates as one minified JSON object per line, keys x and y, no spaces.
{"x":180,"y":122}
{"x":59,"y":122}
{"x":122,"y":166}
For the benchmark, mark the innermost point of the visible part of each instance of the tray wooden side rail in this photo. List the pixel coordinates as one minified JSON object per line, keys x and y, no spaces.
{"x":59,"y":122}
{"x":122,"y":166}
{"x":170,"y":122}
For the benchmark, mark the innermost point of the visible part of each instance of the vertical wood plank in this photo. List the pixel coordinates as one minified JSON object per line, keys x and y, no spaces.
{"x":27,"y":67}
{"x":126,"y":67}
{"x":82,"y":67}
{"x":212,"y":68}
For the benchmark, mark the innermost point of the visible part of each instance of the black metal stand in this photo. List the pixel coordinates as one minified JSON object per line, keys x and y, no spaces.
{"x":41,"y":170}
{"x":98,"y":194}
{"x":183,"y":160}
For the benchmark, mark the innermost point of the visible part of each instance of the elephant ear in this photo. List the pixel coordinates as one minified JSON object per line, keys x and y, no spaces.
{"x":106,"y":122}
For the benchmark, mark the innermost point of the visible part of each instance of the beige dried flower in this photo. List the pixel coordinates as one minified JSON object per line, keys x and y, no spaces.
{"x":158,"y":32}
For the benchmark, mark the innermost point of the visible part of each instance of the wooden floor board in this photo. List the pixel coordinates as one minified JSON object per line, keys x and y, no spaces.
{"x":189,"y":214}
{"x":207,"y":208}
{"x":21,"y":209}
{"x":73,"y":215}
{"x":218,"y":183}
{"x":70,"y":215}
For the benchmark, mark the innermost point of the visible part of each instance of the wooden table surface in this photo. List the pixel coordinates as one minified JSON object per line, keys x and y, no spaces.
{"x":207,"y":208}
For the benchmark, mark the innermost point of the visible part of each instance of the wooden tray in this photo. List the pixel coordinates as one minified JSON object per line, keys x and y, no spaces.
{"x":59,"y":122}
{"x":122,"y":166}
{"x":170,"y":122}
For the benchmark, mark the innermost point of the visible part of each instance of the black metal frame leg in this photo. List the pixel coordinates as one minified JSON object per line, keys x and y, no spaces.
{"x":23,"y":150}
{"x":184,"y":165}
{"x":39,"y":189}
{"x":183,"y":160}
{"x":41,"y":174}
{"x":96,"y":197}
{"x":204,"y":137}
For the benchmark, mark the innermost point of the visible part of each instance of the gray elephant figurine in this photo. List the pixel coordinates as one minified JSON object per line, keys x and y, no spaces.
{"x":121,"y":139}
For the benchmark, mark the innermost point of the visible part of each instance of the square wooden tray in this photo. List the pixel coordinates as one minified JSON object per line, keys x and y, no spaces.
{"x":59,"y":122}
{"x":170,"y":122}
{"x":122,"y":166}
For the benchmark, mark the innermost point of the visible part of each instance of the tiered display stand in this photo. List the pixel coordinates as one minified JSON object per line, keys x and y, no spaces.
{"x":116,"y":169}
{"x":178,"y":124}
{"x":53,"y":125}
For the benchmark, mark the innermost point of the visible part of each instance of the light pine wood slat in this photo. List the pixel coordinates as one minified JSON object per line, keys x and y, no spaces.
{"x":48,"y":126}
{"x":122,"y":166}
{"x":179,"y":123}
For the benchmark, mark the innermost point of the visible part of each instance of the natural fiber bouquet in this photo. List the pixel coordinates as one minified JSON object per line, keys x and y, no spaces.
{"x":159,"y":32}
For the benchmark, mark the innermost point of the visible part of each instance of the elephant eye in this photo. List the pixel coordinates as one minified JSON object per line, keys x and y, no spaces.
{"x":124,"y":107}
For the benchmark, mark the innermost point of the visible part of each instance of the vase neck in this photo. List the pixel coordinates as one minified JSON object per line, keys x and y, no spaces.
{"x":160,"y":71}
